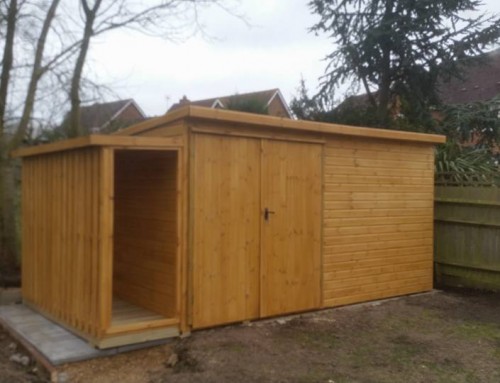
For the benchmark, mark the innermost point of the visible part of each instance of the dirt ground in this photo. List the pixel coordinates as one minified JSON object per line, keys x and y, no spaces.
{"x":451,"y":336}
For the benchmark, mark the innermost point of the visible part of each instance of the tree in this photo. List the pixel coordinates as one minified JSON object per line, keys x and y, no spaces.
{"x":249,"y":105}
{"x":352,"y":111}
{"x":398,"y":50}
{"x":170,"y":19}
{"x":471,"y":154}
{"x":305,"y":107}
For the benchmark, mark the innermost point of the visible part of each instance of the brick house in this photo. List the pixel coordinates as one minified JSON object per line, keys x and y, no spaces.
{"x":272,"y":99}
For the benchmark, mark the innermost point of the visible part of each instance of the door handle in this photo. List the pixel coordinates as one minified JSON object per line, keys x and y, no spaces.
{"x":267,"y":213}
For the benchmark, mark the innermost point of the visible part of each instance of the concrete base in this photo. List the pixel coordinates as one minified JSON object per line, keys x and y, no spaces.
{"x":52,"y":341}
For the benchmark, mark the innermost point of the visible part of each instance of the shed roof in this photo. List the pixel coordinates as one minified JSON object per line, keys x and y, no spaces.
{"x":99,"y":140}
{"x":123,"y":137}
{"x":265,"y":121}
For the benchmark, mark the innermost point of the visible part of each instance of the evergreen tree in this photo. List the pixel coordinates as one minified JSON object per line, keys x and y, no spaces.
{"x":399,"y":50}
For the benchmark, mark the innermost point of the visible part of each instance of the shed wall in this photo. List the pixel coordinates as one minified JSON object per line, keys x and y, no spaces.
{"x":61,"y":240}
{"x":378,"y":219}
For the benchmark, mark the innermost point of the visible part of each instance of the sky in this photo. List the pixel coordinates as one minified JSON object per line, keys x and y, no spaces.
{"x":272,"y":49}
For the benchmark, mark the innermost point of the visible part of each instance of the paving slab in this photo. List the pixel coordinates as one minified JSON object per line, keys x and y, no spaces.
{"x":53,"y":341}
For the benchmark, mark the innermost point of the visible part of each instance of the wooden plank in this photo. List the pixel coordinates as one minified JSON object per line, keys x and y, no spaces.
{"x":141,"y":326}
{"x":382,"y":196}
{"x":106,"y":195}
{"x":343,"y":222}
{"x":380,"y":229}
{"x":189,"y":261}
{"x":128,"y":142}
{"x":353,"y":179}
{"x":226,"y":206}
{"x":291,"y":236}
{"x":400,"y":204}
{"x":336,"y":170}
{"x":378,"y":154}
{"x":380,"y":164}
{"x":374,"y":213}
{"x":264,"y":122}
{"x":308,"y":126}
{"x":182,"y":242}
{"x":386,"y":293}
{"x":139,"y":336}
{"x":377,"y":144}
{"x":240,"y":131}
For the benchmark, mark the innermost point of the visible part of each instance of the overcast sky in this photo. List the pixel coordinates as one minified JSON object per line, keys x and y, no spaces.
{"x":273,"y":52}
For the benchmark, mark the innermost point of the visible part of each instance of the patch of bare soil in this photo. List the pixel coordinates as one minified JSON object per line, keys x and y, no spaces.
{"x":441,"y":337}
{"x":16,"y":366}
{"x":132,"y":367}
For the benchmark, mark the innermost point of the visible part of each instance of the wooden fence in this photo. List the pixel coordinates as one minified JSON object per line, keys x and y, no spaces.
{"x":467,"y":236}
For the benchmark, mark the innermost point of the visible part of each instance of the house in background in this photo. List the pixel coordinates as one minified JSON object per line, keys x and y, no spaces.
{"x":272,"y":99}
{"x":110,"y":116}
{"x":479,"y":82}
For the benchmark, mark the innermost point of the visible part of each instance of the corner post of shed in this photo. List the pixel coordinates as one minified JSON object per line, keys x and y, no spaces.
{"x":105,"y":276}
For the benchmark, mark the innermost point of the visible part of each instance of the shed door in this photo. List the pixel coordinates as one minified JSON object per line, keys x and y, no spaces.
{"x":226,"y":230}
{"x":245,"y":266}
{"x":291,"y":233}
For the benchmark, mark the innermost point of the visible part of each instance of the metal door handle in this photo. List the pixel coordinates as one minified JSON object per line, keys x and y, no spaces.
{"x":267,"y":212}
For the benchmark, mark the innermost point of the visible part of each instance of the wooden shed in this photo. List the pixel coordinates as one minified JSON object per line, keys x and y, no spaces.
{"x":204,"y":217}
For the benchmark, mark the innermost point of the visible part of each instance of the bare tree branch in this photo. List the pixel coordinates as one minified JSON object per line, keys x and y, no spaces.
{"x":36,"y":74}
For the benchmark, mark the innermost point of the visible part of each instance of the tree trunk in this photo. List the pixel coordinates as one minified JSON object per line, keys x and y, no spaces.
{"x":384,"y":91}
{"x":7,"y":62}
{"x":36,"y":74}
{"x":74,"y":127}
{"x":8,"y":237}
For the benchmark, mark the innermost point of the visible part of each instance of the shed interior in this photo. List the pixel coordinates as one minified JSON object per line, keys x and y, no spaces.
{"x":145,"y":236}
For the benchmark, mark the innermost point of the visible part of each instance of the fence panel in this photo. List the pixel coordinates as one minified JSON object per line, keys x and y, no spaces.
{"x":467,"y":236}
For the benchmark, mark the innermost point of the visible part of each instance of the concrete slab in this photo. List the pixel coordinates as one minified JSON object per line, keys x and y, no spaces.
{"x":54,"y":342}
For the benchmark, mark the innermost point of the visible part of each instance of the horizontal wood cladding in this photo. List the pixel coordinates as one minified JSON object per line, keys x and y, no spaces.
{"x":61,"y":236}
{"x":145,"y":237}
{"x":377,"y":219}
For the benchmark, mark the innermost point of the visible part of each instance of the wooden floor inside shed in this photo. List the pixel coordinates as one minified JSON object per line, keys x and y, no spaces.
{"x":126,"y":313}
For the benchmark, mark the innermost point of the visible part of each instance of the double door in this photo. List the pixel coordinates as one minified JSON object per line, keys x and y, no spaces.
{"x":256,"y":228}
